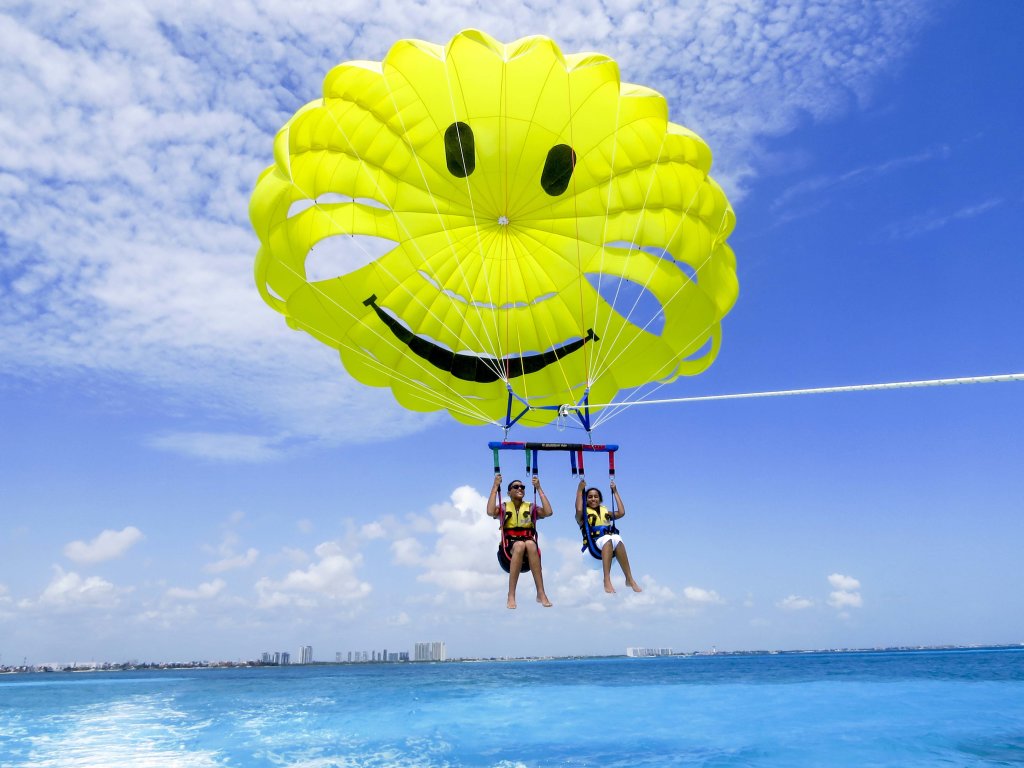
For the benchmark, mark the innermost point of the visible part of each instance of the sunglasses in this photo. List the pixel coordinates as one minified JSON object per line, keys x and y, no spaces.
{"x":517,"y":487}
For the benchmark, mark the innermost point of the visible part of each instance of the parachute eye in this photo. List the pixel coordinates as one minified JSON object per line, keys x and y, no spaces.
{"x":558,"y":169}
{"x":460,"y":150}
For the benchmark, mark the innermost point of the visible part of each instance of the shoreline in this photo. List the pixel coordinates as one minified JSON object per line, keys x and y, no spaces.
{"x":93,"y":667}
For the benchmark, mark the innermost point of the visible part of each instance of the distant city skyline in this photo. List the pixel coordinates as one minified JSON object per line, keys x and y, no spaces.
{"x":631,"y":652}
{"x":428,"y":651}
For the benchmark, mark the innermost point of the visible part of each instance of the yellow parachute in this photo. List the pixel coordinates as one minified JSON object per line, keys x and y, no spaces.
{"x":549,"y":238}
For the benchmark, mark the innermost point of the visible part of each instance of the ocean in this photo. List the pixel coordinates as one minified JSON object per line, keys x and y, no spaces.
{"x":899,"y":708}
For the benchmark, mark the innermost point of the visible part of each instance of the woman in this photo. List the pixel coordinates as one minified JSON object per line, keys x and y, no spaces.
{"x":520,"y":533}
{"x":599,"y":519}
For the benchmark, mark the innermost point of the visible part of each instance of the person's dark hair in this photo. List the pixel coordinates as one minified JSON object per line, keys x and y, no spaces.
{"x":600,"y":496}
{"x":513,"y":482}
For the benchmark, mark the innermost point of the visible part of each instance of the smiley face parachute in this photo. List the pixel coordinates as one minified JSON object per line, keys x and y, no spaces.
{"x":496,"y":230}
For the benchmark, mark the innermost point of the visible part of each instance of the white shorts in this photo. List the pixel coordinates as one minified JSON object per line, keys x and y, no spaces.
{"x":614,"y":538}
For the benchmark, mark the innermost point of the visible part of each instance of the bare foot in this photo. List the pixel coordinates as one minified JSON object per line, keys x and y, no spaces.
{"x":511,"y":602}
{"x":636,"y":587}
{"x":543,"y":600}
{"x":609,"y":588}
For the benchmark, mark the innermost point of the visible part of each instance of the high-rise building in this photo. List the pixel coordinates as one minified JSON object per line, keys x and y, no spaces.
{"x":306,"y":654}
{"x":646,"y":652}
{"x":430,"y":651}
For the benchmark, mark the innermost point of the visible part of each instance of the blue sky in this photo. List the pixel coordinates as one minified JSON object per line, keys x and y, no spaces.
{"x":183,"y":477}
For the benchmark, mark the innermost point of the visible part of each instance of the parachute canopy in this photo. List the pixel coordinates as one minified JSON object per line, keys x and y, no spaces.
{"x":476,"y":222}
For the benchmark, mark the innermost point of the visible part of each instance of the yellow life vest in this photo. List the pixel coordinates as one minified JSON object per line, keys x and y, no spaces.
{"x":601,"y":517}
{"x":518,"y":518}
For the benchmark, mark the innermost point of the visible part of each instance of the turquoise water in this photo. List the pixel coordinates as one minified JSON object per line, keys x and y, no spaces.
{"x":914,"y":708}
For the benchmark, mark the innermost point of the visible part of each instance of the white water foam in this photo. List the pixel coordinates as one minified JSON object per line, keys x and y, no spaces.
{"x":137,"y":732}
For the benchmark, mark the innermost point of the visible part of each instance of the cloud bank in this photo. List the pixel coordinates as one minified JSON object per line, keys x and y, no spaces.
{"x":131,"y":136}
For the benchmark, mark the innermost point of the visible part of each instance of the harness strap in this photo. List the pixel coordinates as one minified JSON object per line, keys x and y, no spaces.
{"x":521,"y":533}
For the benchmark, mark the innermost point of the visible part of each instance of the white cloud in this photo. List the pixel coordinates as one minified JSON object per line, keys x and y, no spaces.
{"x":407,"y":551}
{"x":128,"y":249}
{"x":845,"y":594}
{"x":230,"y":558}
{"x":400,"y":619}
{"x":812,"y":193}
{"x":795,"y":603}
{"x":106,"y":546}
{"x":204,"y":591}
{"x":462,"y":552}
{"x":372,"y":531}
{"x":840,"y":599}
{"x":654,"y":595}
{"x":5,"y":602}
{"x":69,"y":590}
{"x":304,"y":525}
{"x":934,"y":220}
{"x":333,"y":577}
{"x":578,"y":582}
{"x":846,"y":583}
{"x":295,"y":555}
{"x":232,"y":561}
{"x":218,"y":446}
{"x":699,"y":595}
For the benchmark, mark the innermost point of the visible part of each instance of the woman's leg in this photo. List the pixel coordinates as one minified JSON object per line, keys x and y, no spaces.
{"x":620,"y":555}
{"x":533,"y":555}
{"x":515,"y":565}
{"x":606,"y":565}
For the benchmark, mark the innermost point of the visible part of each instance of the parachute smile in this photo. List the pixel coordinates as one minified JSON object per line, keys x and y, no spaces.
{"x":470,"y":366}
{"x":484,"y":304}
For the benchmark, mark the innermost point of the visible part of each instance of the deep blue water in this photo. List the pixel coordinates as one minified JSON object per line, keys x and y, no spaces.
{"x":921,"y":708}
